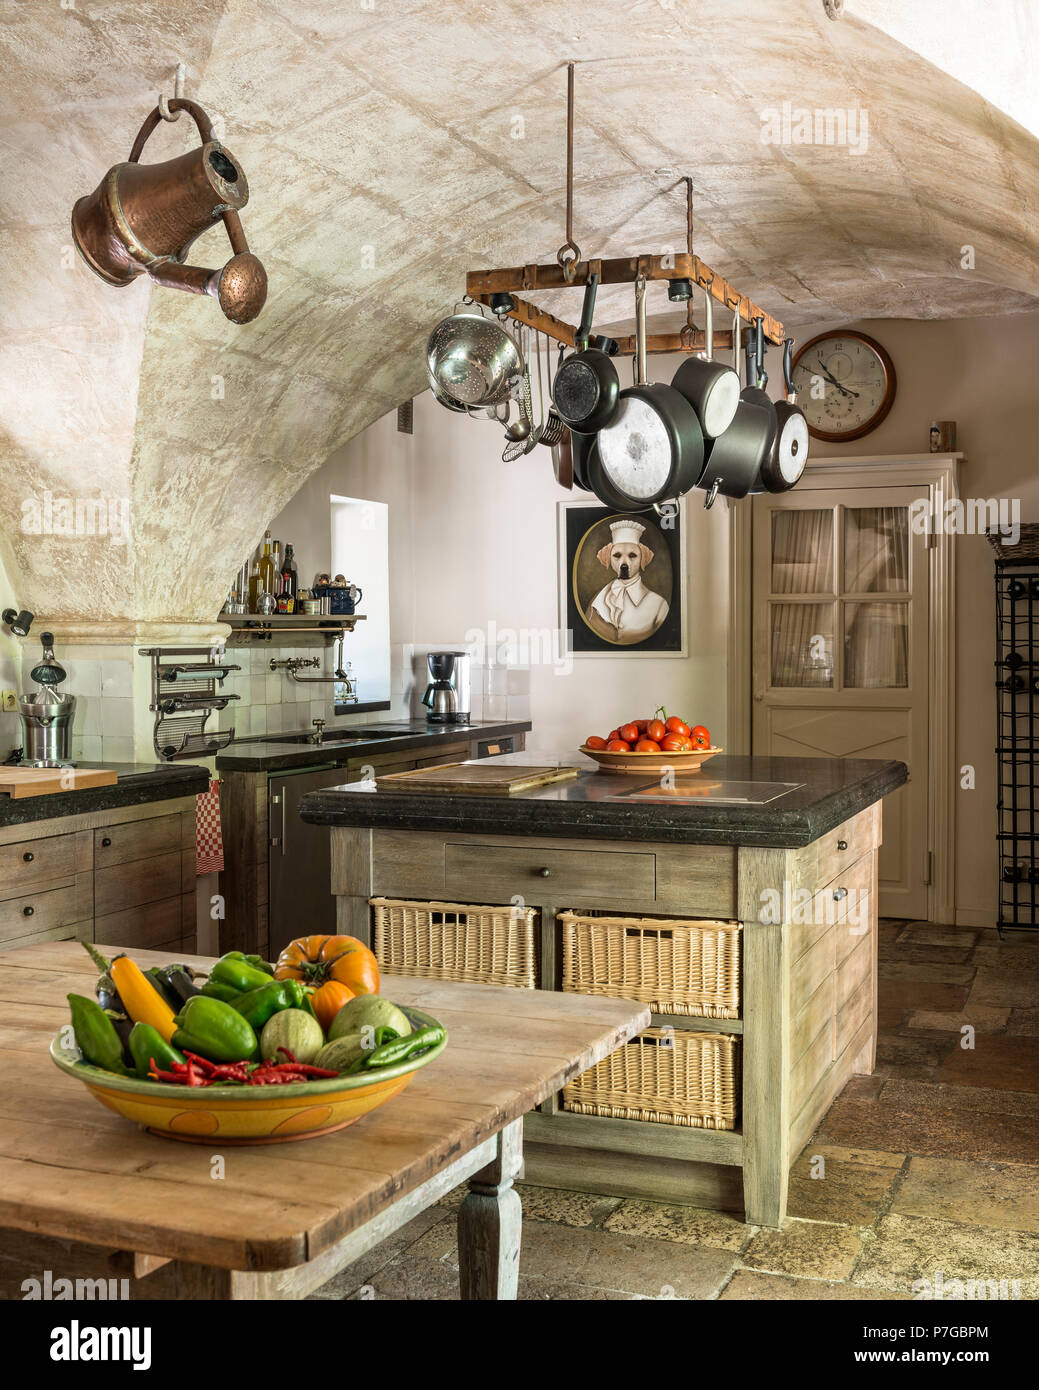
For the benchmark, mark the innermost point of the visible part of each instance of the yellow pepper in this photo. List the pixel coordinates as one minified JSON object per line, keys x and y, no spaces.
{"x":141,"y":1000}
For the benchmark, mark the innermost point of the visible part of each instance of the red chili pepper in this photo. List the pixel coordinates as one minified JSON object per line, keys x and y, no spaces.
{"x":287,"y":1053}
{"x":179,"y":1078}
{"x":203,"y":1063}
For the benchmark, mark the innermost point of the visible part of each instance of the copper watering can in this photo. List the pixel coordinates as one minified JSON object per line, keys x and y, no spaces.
{"x":143,"y":218}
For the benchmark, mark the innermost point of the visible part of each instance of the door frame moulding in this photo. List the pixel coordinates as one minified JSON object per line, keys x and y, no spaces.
{"x":937,"y":476}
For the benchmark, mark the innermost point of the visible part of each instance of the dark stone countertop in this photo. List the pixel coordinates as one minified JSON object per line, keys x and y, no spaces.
{"x":137,"y":783}
{"x":597,"y":805}
{"x":402,"y":735}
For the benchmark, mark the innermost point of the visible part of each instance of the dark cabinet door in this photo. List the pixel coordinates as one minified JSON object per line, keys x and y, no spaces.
{"x":301,"y":901}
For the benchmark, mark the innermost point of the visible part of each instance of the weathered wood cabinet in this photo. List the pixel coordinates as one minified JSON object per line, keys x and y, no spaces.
{"x":124,"y":877}
{"x":808,"y":1015}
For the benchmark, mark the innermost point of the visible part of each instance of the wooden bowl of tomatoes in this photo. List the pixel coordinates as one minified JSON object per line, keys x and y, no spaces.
{"x":649,"y":746}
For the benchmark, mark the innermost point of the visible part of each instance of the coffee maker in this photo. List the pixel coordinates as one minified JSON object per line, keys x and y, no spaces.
{"x":447,"y":695}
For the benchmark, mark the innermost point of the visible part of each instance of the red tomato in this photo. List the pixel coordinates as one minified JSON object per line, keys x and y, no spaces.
{"x":614,"y":733}
{"x":701,"y":737}
{"x":618,"y":745}
{"x":677,"y":726}
{"x":640,"y":724}
{"x":594,"y":741}
{"x":647,"y":745}
{"x":673,"y":743}
{"x":656,"y":729}
{"x":629,"y":733}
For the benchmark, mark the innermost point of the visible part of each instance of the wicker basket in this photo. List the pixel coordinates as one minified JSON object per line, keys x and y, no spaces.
{"x":676,"y":967}
{"x":457,"y":941}
{"x":666,"y":1076}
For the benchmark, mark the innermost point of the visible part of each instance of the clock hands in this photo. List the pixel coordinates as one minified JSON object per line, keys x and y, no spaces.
{"x":834,"y":382}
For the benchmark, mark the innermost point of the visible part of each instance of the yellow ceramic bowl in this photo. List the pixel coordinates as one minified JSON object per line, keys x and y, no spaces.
{"x":650,"y":764}
{"x":244,"y":1114}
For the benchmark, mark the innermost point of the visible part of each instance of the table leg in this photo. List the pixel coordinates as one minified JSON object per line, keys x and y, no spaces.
{"x":489,"y":1222}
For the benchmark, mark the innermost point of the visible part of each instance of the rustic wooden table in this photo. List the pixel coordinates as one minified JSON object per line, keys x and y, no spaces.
{"x":85,"y":1194}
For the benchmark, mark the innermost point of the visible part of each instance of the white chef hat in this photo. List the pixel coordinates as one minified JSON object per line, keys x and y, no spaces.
{"x":626,"y":531}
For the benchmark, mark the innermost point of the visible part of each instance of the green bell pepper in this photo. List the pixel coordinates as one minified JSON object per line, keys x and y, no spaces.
{"x":215,"y":1031}
{"x":261,"y":1004}
{"x":261,"y":964}
{"x":147,"y":1045}
{"x":213,"y":989}
{"x":234,"y":970}
{"x":96,"y":1035}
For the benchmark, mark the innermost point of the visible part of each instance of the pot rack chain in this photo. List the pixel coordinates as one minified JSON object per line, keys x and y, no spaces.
{"x":569,"y":262}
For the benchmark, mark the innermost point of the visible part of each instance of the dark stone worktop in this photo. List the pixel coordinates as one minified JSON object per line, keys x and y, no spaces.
{"x":137,"y":783}
{"x":594,"y":806}
{"x":403,"y":735}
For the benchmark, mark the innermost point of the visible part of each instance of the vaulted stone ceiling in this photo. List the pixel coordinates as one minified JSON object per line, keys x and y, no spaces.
{"x":391,"y":145}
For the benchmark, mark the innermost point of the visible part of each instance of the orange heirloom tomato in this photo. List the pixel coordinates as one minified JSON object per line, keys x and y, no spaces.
{"x":629,"y":733}
{"x":327,"y":1000}
{"x":673,"y":743}
{"x":701,"y":737}
{"x":618,"y":745}
{"x":677,"y":726}
{"x":315,"y":959}
{"x":647,"y":745}
{"x":656,"y":729}
{"x":594,"y":741}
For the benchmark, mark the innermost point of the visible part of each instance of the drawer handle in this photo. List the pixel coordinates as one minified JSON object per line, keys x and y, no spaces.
{"x":28,"y":856}
{"x":842,"y":844}
{"x":839,"y":893}
{"x":105,"y":842}
{"x":28,"y":911}
{"x":544,"y":873}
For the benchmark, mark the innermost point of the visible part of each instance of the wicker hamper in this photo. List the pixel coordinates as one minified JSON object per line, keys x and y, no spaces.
{"x":457,"y":941}
{"x":667,"y":1076}
{"x":676,"y":966}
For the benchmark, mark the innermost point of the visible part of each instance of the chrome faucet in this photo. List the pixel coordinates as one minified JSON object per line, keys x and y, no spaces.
{"x":295,"y":664}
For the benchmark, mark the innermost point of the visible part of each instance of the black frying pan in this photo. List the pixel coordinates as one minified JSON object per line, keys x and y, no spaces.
{"x":586,"y":387}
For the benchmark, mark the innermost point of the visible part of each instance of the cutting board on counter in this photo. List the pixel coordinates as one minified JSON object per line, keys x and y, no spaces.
{"x":478,"y":778}
{"x":45,"y":781}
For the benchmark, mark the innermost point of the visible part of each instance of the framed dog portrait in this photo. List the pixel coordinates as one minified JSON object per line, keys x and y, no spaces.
{"x":621,"y":581}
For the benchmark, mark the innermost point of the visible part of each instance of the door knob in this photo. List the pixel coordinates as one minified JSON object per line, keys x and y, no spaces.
{"x":28,"y":856}
{"x":839,"y":894}
{"x":28,"y":911}
{"x":842,"y":844}
{"x":106,"y":842}
{"x":544,"y":873}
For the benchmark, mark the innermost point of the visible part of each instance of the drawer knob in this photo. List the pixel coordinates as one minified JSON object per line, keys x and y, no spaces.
{"x":544,"y":873}
{"x":106,"y":842}
{"x":28,"y":856}
{"x":842,"y":844}
{"x":839,"y":893}
{"x":28,"y":911}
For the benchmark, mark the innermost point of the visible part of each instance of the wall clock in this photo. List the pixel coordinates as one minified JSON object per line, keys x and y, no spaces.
{"x":845,"y":384}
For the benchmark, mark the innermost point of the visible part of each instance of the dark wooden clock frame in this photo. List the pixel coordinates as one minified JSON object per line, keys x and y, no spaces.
{"x":890,"y":385}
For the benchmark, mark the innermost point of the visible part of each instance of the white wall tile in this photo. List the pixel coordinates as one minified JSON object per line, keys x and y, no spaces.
{"x":116,"y":679}
{"x":116,"y":750}
{"x":518,"y":681}
{"x":495,"y":707}
{"x":86,"y":718}
{"x":257,"y":690}
{"x":275,"y":717}
{"x":117,"y":717}
{"x":273,"y":681}
{"x":517,"y":706}
{"x":87,"y":749}
{"x":84,"y":677}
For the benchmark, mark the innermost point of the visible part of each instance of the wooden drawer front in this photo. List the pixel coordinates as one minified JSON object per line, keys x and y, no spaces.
{"x":29,"y":862}
{"x":148,"y":926}
{"x":844,"y":900}
{"x":825,"y":858}
{"x":856,"y":967}
{"x":815,"y":1014}
{"x":851,"y":1015}
{"x":140,"y":881}
{"x":697,"y":880}
{"x":808,"y":973}
{"x":814,"y":1062}
{"x":41,"y":912}
{"x":140,"y":839}
{"x":405,"y":864}
{"x":584,"y":878}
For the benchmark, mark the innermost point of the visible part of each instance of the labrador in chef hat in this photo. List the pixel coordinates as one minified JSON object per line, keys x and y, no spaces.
{"x":625,"y":607}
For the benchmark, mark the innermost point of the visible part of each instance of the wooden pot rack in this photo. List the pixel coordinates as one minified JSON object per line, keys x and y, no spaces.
{"x":623,"y":270}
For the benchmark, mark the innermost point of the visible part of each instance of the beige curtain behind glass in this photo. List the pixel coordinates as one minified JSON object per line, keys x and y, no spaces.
{"x":876,"y":560}
{"x":802,"y":563}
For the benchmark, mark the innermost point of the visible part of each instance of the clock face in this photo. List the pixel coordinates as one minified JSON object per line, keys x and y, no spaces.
{"x":635,"y":451}
{"x":845,"y":384}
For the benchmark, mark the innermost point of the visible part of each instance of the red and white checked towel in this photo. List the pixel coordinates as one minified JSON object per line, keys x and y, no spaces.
{"x":209,"y":842}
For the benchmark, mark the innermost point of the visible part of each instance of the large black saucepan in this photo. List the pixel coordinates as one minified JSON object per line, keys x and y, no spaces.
{"x":734,"y":459}
{"x":586,"y":387}
{"x":783,"y":465}
{"x":711,"y":388}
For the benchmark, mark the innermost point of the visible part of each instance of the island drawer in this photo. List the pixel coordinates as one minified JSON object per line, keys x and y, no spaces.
{"x":41,"y":912}
{"x":665,"y":1077}
{"x":619,"y":878}
{"x":675,"y":966}
{"x":471,"y":943}
{"x":138,"y":839}
{"x":27,"y":863}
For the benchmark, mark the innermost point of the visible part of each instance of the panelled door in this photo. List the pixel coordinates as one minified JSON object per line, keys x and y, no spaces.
{"x":840,"y":670}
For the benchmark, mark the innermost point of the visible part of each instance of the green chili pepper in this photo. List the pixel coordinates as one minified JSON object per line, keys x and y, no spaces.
{"x":261,"y":1004}
{"x":147,"y":1045}
{"x":214,"y":1030}
{"x":261,"y":964}
{"x":96,"y":1035}
{"x":400,"y":1049}
{"x":213,"y":989}
{"x":238,"y":973}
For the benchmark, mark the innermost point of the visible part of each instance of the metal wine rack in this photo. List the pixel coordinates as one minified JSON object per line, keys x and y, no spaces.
{"x":184,"y":695}
{"x":1017,"y":730}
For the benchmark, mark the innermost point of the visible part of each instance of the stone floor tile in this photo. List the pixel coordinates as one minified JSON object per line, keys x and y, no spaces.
{"x":863,"y":1087}
{"x":905,"y":1095}
{"x":1004,"y":1063}
{"x":606,"y":1260}
{"x":751,"y":1285}
{"x":983,"y":1018}
{"x":866,"y":1158}
{"x":413,"y":1279}
{"x":936,"y":974}
{"x":566,"y":1207}
{"x":1009,"y":955}
{"x":439,"y":1242}
{"x":897,"y":998}
{"x":905,"y":1249}
{"x":941,"y":1132}
{"x":1023,"y":1023}
{"x":1004,"y":1195}
{"x":533,"y":1290}
{"x":926,"y":934}
{"x":905,"y":1071}
{"x":686,"y":1225}
{"x":923,"y":1049}
{"x":364,"y":1269}
{"x":928,"y":955}
{"x":808,"y":1249}
{"x":848,"y":1193}
{"x":1004,"y":987}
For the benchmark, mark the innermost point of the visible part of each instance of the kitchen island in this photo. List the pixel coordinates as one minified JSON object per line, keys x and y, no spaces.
{"x":781,"y":850}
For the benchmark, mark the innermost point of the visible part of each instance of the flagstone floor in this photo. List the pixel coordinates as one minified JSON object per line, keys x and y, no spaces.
{"x":930,"y":1168}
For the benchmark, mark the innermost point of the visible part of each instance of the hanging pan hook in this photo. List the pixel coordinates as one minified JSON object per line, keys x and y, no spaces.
{"x":178,"y":93}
